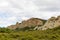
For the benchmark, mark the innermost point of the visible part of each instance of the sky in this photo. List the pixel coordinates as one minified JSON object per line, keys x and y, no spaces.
{"x":12,"y":11}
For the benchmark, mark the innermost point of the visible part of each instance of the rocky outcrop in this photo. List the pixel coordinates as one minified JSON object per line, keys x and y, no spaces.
{"x":38,"y":24}
{"x":14,"y":26}
{"x":51,"y":23}
{"x":32,"y":22}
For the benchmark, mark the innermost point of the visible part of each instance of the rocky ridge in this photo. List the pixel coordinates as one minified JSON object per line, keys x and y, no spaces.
{"x":32,"y":22}
{"x":38,"y":24}
{"x":51,"y":23}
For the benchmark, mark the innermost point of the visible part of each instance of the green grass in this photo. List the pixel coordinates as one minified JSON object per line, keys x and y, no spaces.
{"x":49,"y":34}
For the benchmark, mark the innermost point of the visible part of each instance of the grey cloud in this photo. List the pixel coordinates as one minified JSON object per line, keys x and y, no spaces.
{"x":48,"y":5}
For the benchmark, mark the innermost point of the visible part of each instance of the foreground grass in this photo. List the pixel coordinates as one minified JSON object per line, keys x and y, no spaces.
{"x":30,"y":35}
{"x":49,"y":34}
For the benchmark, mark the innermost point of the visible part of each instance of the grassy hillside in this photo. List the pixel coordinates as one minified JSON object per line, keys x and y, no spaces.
{"x":49,"y":34}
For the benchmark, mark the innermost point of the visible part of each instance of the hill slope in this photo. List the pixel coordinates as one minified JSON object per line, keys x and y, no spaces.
{"x":38,"y":24}
{"x":51,"y":23}
{"x":32,"y":22}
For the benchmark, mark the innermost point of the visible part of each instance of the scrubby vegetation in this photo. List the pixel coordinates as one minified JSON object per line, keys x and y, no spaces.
{"x":5,"y":30}
{"x":49,"y":34}
{"x":25,"y":29}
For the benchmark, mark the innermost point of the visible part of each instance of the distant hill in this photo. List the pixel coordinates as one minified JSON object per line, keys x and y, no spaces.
{"x":32,"y":22}
{"x":37,"y":24}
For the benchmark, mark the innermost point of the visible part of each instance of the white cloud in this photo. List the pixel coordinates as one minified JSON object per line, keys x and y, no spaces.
{"x":12,"y":11}
{"x":3,"y":3}
{"x":12,"y":19}
{"x":24,"y":18}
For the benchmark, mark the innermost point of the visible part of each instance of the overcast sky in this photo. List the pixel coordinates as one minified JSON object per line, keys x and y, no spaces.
{"x":12,"y":11}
